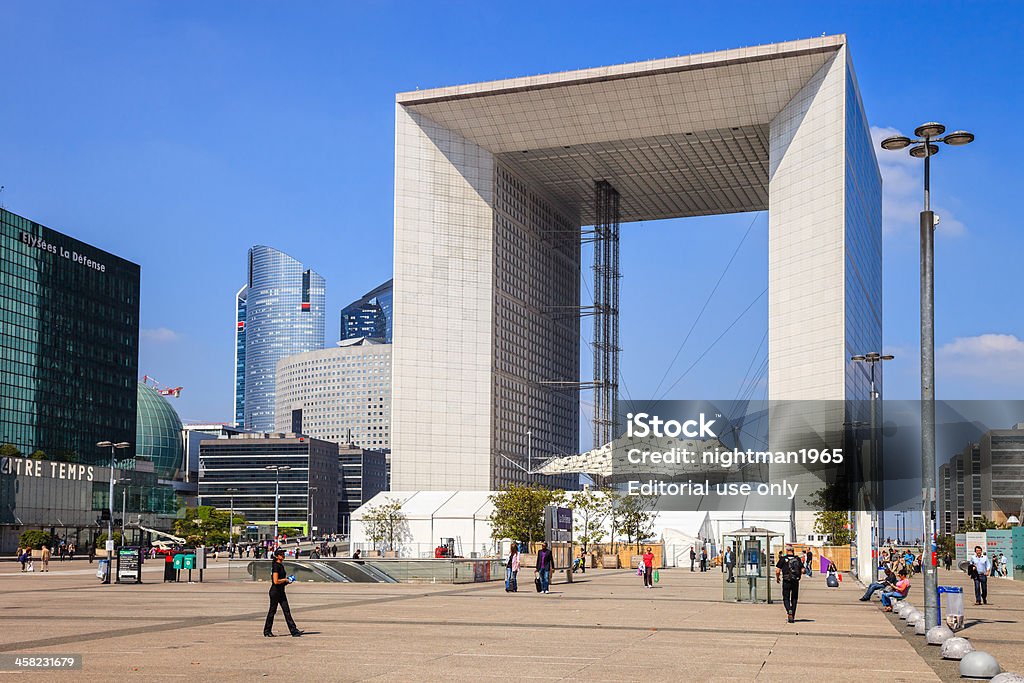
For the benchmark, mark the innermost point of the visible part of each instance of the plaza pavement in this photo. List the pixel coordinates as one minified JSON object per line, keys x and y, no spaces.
{"x":603,"y":627}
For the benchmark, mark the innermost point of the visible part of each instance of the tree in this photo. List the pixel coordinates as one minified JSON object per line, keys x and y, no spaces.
{"x":9,"y":450}
{"x":592,"y":508}
{"x":206,"y":525}
{"x":635,"y":517}
{"x":38,"y":455}
{"x":386,"y":524}
{"x":101,"y":540}
{"x":35,"y":539}
{"x":946,"y":545}
{"x":981,"y":523}
{"x":832,"y":517}
{"x":519,"y":511}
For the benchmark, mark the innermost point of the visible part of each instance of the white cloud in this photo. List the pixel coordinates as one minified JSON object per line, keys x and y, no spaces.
{"x":992,"y":358}
{"x":903,"y":191}
{"x":159,"y":335}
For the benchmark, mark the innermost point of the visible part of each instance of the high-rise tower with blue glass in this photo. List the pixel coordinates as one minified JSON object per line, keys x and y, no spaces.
{"x":280,"y":312}
{"x":370,"y":316}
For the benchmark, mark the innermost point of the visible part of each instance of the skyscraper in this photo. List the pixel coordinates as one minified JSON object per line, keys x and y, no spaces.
{"x":283,"y":310}
{"x":369,"y":316}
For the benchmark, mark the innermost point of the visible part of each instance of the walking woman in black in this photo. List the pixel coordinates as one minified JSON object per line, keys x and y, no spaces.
{"x":277,"y":597}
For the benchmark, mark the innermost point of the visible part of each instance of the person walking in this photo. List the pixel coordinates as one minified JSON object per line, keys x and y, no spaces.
{"x":511,"y":569}
{"x":808,"y":562}
{"x":648,"y":563}
{"x":545,"y":565}
{"x":44,"y":556}
{"x":729,"y":560}
{"x":279,"y":580}
{"x":982,"y":567}
{"x":788,"y":571}
{"x":693,"y":557}
{"x":703,"y":559}
{"x":948,"y":561}
{"x":1003,"y":565}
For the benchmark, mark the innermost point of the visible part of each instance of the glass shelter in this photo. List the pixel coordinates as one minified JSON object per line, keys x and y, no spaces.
{"x":752,"y":579}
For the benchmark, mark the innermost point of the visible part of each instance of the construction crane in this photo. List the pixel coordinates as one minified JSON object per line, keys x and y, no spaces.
{"x":162,"y":389}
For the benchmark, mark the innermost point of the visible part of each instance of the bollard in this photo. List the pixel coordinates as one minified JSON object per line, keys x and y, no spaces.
{"x":937,"y":635}
{"x":1008,"y":677}
{"x":978,"y":664}
{"x":956,"y":648}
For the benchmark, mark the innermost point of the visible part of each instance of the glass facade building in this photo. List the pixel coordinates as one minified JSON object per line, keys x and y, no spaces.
{"x":69,"y":344}
{"x":284,"y":315}
{"x":158,"y":433}
{"x":371,"y":316}
{"x":240,"y":313}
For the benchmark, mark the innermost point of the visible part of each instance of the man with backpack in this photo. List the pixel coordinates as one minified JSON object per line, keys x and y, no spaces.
{"x":788,"y":571}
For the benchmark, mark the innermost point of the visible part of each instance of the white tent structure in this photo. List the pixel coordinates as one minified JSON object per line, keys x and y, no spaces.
{"x":431,"y":516}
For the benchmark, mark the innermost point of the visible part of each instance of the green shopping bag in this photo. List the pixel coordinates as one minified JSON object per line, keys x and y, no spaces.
{"x":655,"y":576}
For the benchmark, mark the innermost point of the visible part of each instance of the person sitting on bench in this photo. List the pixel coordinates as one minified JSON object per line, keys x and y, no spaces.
{"x":899,"y":591}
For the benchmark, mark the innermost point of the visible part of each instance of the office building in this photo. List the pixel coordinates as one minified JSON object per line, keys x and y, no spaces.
{"x":370,"y":316}
{"x":340,"y":394}
{"x":986,"y":479}
{"x":494,"y":182}
{"x":69,"y":344}
{"x":283,"y":309}
{"x":233,"y":473}
{"x":362,"y":475}
{"x":240,"y":317}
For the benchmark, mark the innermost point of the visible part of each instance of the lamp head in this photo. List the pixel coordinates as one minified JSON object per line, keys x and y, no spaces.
{"x":858,"y":358}
{"x":104,"y":444}
{"x":929,"y":130}
{"x":896,"y":142}
{"x":922,"y":151}
{"x":122,"y":444}
{"x":958,"y":138}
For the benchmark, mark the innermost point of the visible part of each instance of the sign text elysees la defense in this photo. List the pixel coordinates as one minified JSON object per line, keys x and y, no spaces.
{"x":44,"y":468}
{"x":42,"y":244}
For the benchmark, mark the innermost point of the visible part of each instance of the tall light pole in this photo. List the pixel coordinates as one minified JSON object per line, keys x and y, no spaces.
{"x":124,"y":504}
{"x":231,"y":522}
{"x":277,"y":492}
{"x":309,"y":509}
{"x":874,"y":358}
{"x":529,"y":451}
{"x":924,"y":147}
{"x":110,"y":499}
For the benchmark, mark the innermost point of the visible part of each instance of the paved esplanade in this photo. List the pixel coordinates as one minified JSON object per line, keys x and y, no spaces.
{"x":604,"y":626}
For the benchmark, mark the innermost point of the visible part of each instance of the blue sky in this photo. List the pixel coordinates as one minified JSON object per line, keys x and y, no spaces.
{"x":178,"y":134}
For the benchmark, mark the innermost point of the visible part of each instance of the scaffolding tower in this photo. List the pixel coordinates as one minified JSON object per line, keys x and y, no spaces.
{"x":606,"y":312}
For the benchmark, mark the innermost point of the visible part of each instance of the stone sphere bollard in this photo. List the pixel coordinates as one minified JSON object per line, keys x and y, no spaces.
{"x":978,"y":664}
{"x":905,"y":610}
{"x":956,"y":648}
{"x":937,"y":635}
{"x":920,"y":626}
{"x":912,"y":616}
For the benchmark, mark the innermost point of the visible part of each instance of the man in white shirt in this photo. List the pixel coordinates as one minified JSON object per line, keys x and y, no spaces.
{"x":982,"y":568}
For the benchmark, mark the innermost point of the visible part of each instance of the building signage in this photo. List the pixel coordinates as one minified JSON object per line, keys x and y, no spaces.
{"x":81,"y":259}
{"x":23,"y":467}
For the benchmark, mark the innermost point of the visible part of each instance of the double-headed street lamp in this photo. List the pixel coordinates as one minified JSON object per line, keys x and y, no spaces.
{"x":277,"y":490}
{"x":110,"y":499}
{"x":925,"y":147}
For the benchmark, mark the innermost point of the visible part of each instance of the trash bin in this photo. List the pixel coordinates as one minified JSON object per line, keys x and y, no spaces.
{"x":179,"y":561}
{"x":190,"y":562}
{"x":169,"y":573}
{"x":954,"y":606}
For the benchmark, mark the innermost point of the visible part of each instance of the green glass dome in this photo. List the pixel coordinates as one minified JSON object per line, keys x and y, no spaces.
{"x":158,"y":433}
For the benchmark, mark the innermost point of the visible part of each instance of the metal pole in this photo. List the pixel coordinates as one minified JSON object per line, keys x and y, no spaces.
{"x":873,"y":470}
{"x":110,"y":520}
{"x":231,"y":525}
{"x":124,"y":506}
{"x":529,"y":451}
{"x":931,"y":579}
{"x":277,"y":499}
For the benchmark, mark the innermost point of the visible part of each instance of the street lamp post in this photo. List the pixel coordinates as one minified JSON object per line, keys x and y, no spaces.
{"x":309,"y":510}
{"x":110,"y":500}
{"x":277,"y":492}
{"x":231,"y":522}
{"x":124,"y":504}
{"x":873,"y":359}
{"x":529,"y":451}
{"x":924,"y":147}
